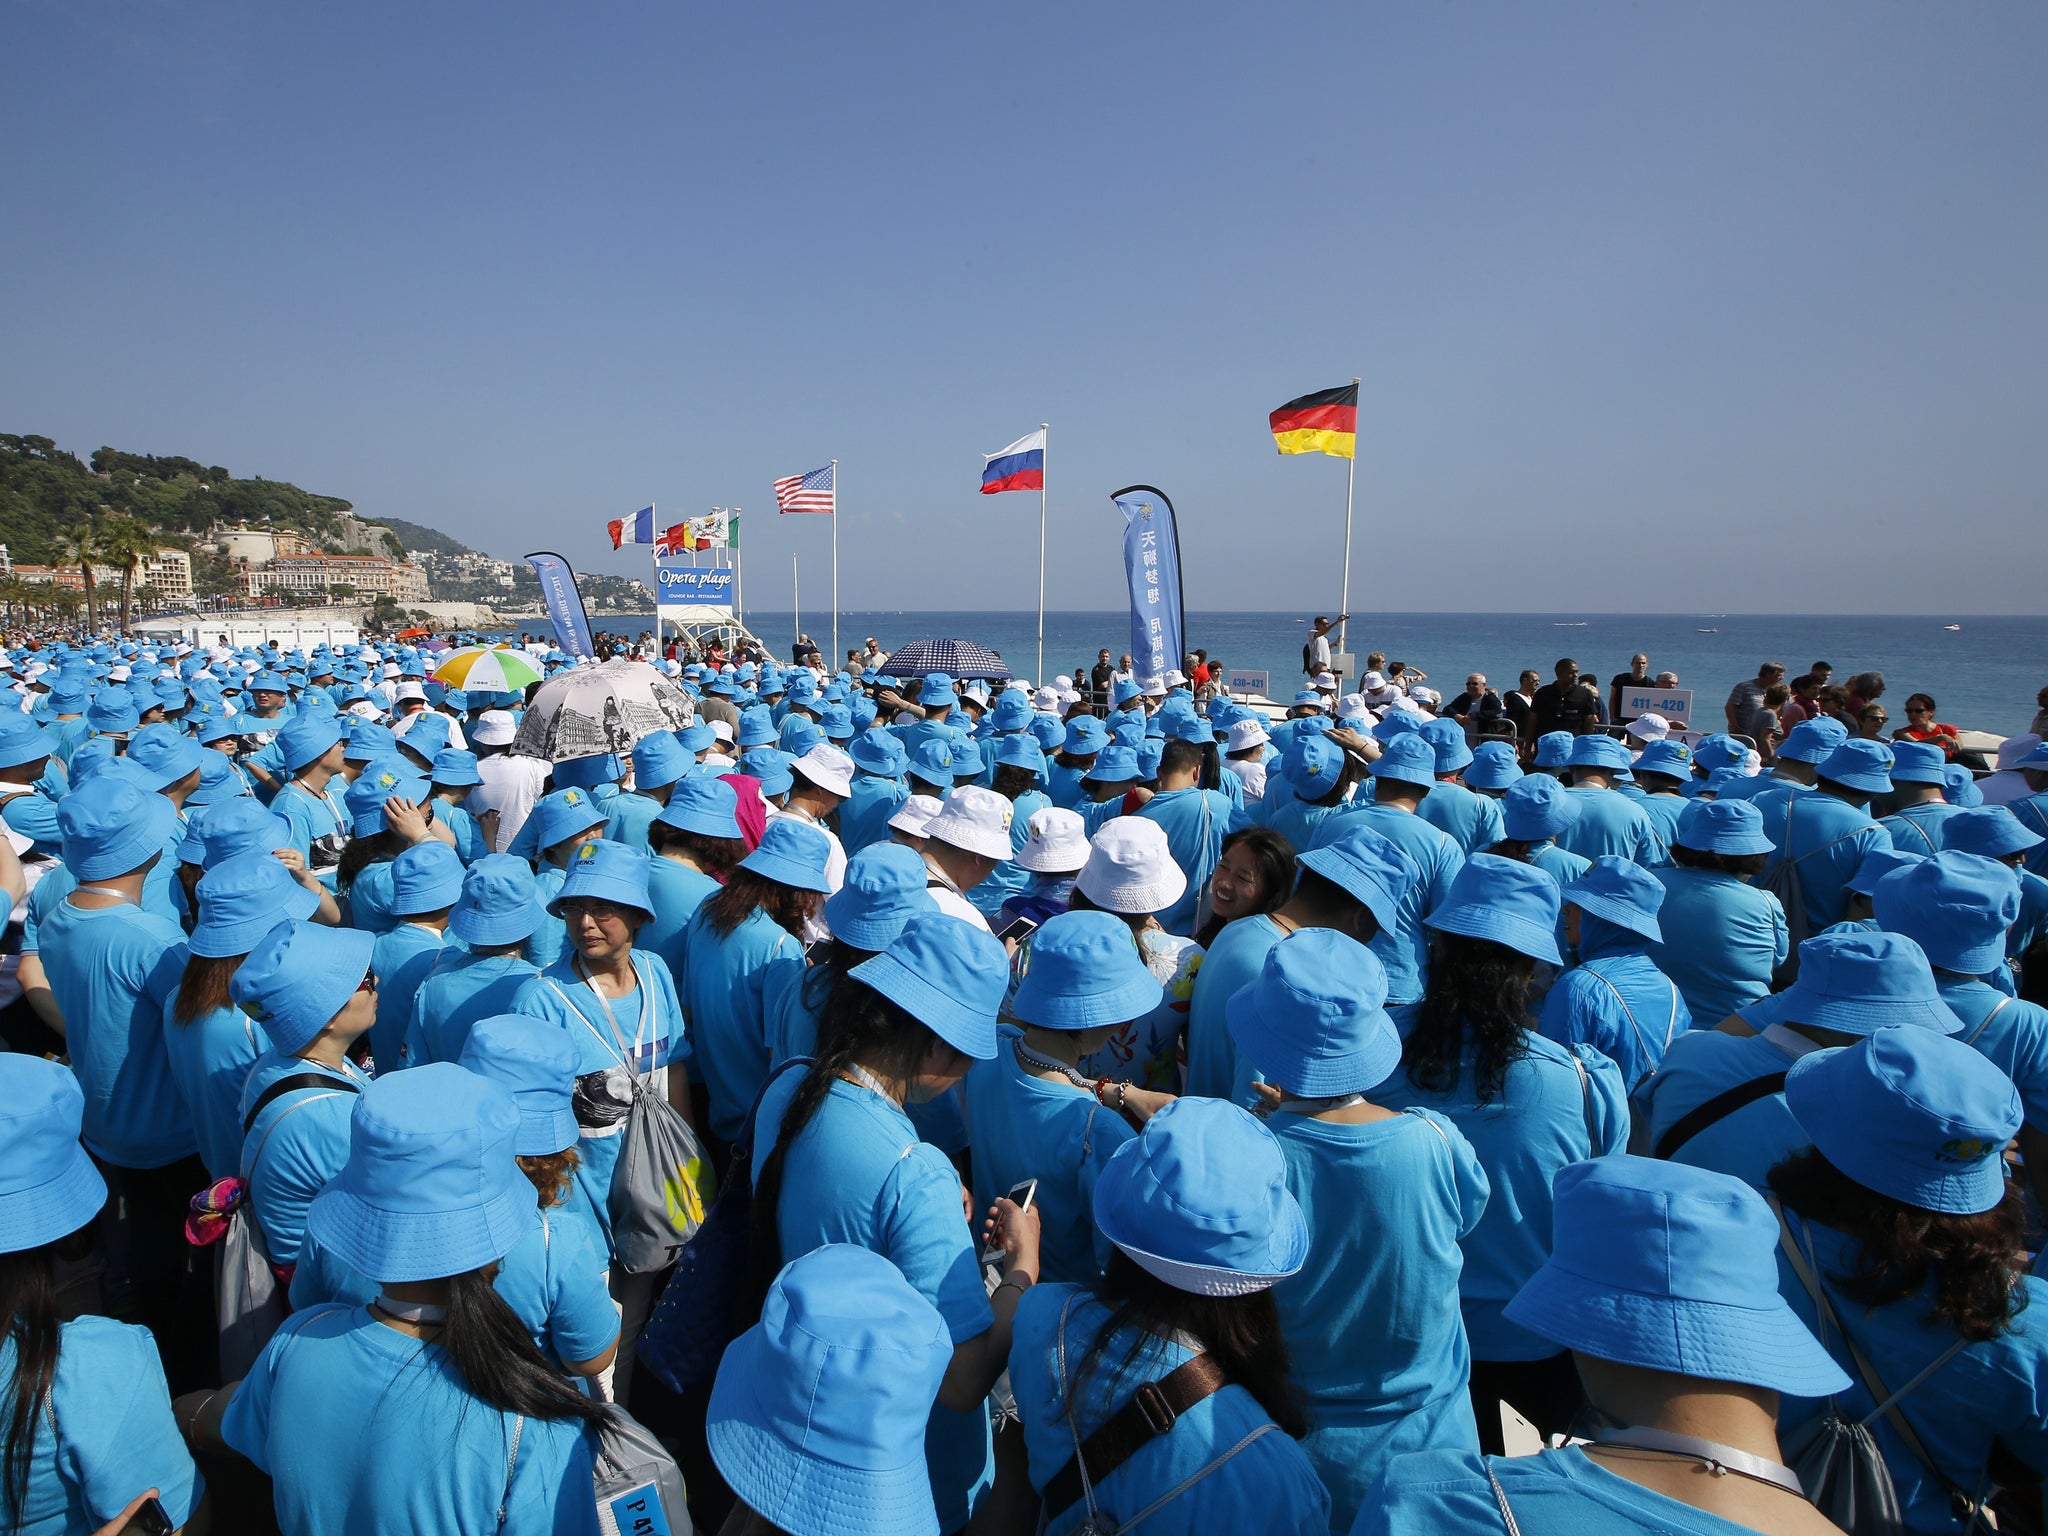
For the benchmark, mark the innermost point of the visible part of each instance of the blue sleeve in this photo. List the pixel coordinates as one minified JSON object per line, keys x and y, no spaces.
{"x":1610,"y":1101}
{"x":321,"y":1278}
{"x":120,"y":1438}
{"x":36,"y":817}
{"x":1441,"y":877}
{"x":583,"y":1322}
{"x":1430,"y":1493}
{"x":925,"y":1235}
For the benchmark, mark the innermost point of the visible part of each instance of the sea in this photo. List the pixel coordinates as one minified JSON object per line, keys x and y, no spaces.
{"x":1984,"y":675}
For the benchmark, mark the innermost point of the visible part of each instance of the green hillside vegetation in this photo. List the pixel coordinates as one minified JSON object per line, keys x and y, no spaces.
{"x":419,"y":536}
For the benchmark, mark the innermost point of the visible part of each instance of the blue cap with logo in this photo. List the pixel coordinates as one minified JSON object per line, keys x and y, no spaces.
{"x":299,"y":977}
{"x":602,"y":870}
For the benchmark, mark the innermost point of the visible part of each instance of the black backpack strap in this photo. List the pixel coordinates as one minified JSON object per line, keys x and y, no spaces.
{"x":292,"y":1083}
{"x":1718,"y":1108}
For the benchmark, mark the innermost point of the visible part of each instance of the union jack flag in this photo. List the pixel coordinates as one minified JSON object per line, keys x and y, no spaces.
{"x":805,"y":493}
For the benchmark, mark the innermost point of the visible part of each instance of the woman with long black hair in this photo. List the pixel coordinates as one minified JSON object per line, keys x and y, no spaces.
{"x":836,"y":1159}
{"x":1203,"y":1223}
{"x":457,"y":1422}
{"x":884,"y":890}
{"x":1527,"y":1105}
{"x":1253,"y":877}
{"x":84,"y":1409}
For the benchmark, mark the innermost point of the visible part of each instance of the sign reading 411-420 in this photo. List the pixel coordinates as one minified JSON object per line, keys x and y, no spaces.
{"x":705,"y":586}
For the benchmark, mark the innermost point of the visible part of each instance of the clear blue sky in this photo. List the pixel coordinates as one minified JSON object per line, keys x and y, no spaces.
{"x":1717,"y":306}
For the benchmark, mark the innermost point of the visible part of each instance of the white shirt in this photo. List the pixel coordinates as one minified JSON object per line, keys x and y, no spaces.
{"x":511,"y":787}
{"x":946,"y":897}
{"x":1319,"y":652}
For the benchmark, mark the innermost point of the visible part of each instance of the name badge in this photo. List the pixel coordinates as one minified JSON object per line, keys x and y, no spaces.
{"x":638,"y":1511}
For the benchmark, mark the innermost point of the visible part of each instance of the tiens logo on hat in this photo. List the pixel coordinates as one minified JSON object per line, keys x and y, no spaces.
{"x":1009,"y":814}
{"x":1313,"y":768}
{"x":387,"y":779}
{"x":572,"y":797}
{"x":587,"y":851}
{"x":1965,"y":1149}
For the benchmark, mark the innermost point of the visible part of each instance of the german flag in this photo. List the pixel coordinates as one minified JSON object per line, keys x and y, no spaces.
{"x":1324,"y":422}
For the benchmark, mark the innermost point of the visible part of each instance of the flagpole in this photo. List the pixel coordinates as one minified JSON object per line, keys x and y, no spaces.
{"x":835,"y":565}
{"x":1046,"y":429}
{"x":796,"y":603}
{"x":1350,"y":483}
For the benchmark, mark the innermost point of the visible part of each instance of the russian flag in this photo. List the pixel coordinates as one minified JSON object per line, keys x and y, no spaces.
{"x":1019,"y":467}
{"x":637,"y":529}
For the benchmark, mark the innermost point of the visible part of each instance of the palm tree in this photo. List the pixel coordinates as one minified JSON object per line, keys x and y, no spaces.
{"x":82,"y":550}
{"x":125,"y":543}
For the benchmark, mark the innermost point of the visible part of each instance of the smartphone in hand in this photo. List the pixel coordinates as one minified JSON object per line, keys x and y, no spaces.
{"x":1021,"y":1194}
{"x":1017,"y":930}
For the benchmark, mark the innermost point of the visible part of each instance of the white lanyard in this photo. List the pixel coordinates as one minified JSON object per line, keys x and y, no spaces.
{"x":1294,"y":1106}
{"x":1790,"y":1041}
{"x":101,"y":890}
{"x":325,"y":797}
{"x":869,"y":1081}
{"x":629,"y":1058}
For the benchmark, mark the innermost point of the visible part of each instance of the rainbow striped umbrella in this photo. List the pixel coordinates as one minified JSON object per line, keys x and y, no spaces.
{"x":489,"y":669}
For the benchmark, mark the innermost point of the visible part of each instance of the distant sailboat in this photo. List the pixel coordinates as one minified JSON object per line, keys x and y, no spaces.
{"x":1706,"y":631}
{"x":1951,"y":626}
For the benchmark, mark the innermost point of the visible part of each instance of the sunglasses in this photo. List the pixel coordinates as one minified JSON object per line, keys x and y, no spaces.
{"x":368,"y":983}
{"x":1918,"y":709}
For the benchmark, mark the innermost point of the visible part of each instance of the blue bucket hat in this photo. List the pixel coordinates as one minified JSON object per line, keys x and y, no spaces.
{"x":243,"y":898}
{"x":1536,"y":808}
{"x":299,"y":977}
{"x":837,"y":720}
{"x":1855,"y":981}
{"x":431,"y":1186}
{"x":818,"y":1414}
{"x":1049,"y":732}
{"x":113,"y":712}
{"x":49,"y":1187}
{"x":367,"y":743}
{"x":771,"y":766}
{"x":1124,"y":690}
{"x":1493,"y":766}
{"x":564,"y":814}
{"x":1083,"y":972}
{"x":602,"y":870}
{"x":1199,"y":1199}
{"x":1917,"y":1117}
{"x":1859,"y":764}
{"x":1370,"y":868}
{"x":1877,"y":863}
{"x":1811,"y":741}
{"x":536,"y":1063}
{"x":1086,"y":736}
{"x":304,"y":738}
{"x":967,"y":763}
{"x":1918,"y":762}
{"x":1307,"y":696}
{"x":876,"y":750}
{"x":166,"y":753}
{"x":1012,"y":711}
{"x":1727,"y":781}
{"x":1723,"y":826}
{"x":1191,"y":728}
{"x":425,"y":878}
{"x":660,"y":759}
{"x":1990,"y":832}
{"x":1113,"y":765}
{"x":697,"y":738}
{"x":1959,"y":787}
{"x":376,"y":784}
{"x":455,"y":768}
{"x":949,"y":975}
{"x":499,"y":905}
{"x":218,"y":781}
{"x":1406,"y":760}
{"x":1602,"y":752}
{"x":1694,"y":1290}
{"x":112,"y":826}
{"x":1150,"y":754}
{"x":22,"y":741}
{"x":1020,"y":751}
{"x":1955,"y":906}
{"x":1395,"y":724}
{"x":1504,"y":901}
{"x":799,"y":735}
{"x":1671,"y":758}
{"x":1129,"y":730}
{"x":590,"y":771}
{"x":241,"y":824}
{"x":1313,"y":764}
{"x":1446,"y":739}
{"x":937,"y":689}
{"x":1621,"y":892}
{"x":268,"y":681}
{"x":1314,"y":1020}
{"x":792,"y":853}
{"x":885,"y":887}
{"x":703,"y":804}
{"x":1554,"y":749}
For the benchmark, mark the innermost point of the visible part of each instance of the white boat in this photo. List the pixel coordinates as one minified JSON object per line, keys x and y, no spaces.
{"x":1951,"y":626}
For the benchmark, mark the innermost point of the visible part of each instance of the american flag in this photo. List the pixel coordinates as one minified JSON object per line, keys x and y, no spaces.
{"x":805,"y":493}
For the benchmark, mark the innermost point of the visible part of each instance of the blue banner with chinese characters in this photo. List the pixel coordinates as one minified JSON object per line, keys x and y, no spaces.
{"x":1152,"y":569}
{"x":564,"y":603}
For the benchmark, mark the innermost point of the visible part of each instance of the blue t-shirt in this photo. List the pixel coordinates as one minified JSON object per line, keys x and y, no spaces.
{"x":797,"y":994}
{"x":370,"y":896}
{"x":1404,"y":949}
{"x":1023,"y":1127}
{"x":1611,"y":823}
{"x":110,"y":970}
{"x":1992,"y":1391}
{"x":1722,"y":940}
{"x":1553,"y":1493}
{"x":725,"y":981}
{"x":294,"y":1147}
{"x":675,"y":891}
{"x":320,"y":827}
{"x":864,"y":817}
{"x":1233,"y":961}
{"x":442,"y":1457}
{"x":857,"y":1173}
{"x":1664,"y":811}
{"x":401,"y":959}
{"x":1267,"y":1488}
{"x":107,"y":1435}
{"x":1827,"y":838}
{"x":2013,"y":1038}
{"x":210,"y":1060}
{"x":1472,"y":821}
{"x":1544,"y":1116}
{"x":1917,"y":828}
{"x":1619,"y":1003}
{"x":1373,"y":1326}
{"x":550,"y":941}
{"x":1704,"y":1064}
{"x":459,"y":989}
{"x":631,"y":816}
{"x":1196,"y":821}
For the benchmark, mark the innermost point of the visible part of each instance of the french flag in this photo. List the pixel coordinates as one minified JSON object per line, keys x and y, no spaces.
{"x":1019,"y":467}
{"x":637,"y":529}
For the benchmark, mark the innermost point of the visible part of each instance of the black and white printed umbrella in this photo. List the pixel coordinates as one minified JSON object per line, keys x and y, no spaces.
{"x":955,"y":658}
{"x":605,"y":708}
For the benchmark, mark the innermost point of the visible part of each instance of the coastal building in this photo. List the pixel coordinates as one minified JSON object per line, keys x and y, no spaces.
{"x":367,"y":575}
{"x":169,"y":571}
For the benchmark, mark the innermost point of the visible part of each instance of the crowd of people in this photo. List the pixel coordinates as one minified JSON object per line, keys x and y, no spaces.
{"x":914,"y":1104}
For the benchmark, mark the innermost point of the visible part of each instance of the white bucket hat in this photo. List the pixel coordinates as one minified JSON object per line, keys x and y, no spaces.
{"x":1056,"y":844}
{"x":494,"y":728}
{"x":915,"y":814}
{"x":974,"y":819}
{"x":1130,"y":868}
{"x":1649,"y":727}
{"x":1246,"y":734}
{"x":828,"y":768}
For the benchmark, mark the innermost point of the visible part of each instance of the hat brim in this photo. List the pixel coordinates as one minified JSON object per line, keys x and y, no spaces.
{"x":1052,"y":858}
{"x":1619,"y":913}
{"x":444,"y":892}
{"x":545,"y":1133}
{"x":495,"y":929}
{"x":1066,"y":1011}
{"x":1215,"y":1280}
{"x":703,"y":824}
{"x":220,"y":941}
{"x":784,"y":871}
{"x":1517,"y":933}
{"x":1156,"y":896}
{"x":1734,"y":845}
{"x":1401,"y":775}
{"x":1866,"y":1016}
{"x":56,"y":1208}
{"x":1314,"y":1077}
{"x":944,"y":1015}
{"x":401,"y":1246}
{"x":1759,"y":1346}
{"x":620,"y":892}
{"x":1869,"y":783}
{"x":989,"y":845}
